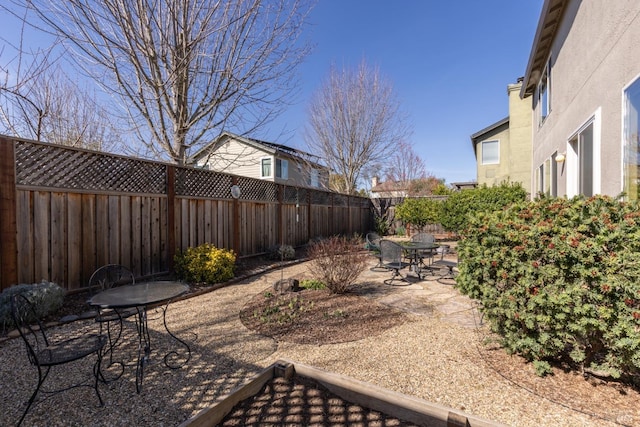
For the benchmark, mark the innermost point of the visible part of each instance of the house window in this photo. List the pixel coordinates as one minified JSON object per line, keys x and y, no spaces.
{"x":266,"y":167}
{"x":314,"y":178}
{"x":541,"y":180}
{"x":583,"y":153}
{"x":490,"y":152}
{"x":544,"y":88}
{"x":631,"y":141}
{"x":282,"y":169}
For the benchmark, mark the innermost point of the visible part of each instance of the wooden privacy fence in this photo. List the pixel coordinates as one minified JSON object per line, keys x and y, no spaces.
{"x":64,"y":212}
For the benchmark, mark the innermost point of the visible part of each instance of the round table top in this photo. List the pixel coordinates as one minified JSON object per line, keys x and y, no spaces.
{"x":420,"y":245}
{"x":138,"y":295}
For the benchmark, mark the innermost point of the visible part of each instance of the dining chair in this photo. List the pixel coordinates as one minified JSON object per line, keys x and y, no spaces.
{"x":391,"y":256}
{"x":444,"y":250}
{"x":373,"y":245}
{"x":427,"y":254}
{"x":107,"y":277}
{"x":44,"y":352}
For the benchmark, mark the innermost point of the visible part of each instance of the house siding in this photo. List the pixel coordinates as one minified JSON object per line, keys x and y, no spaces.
{"x":593,"y":58}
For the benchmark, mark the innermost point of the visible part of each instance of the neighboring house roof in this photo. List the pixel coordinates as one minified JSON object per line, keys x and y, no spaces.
{"x":478,"y":135}
{"x":269,"y":147}
{"x":550,"y":18}
{"x":389,"y":186}
{"x":464,"y":185}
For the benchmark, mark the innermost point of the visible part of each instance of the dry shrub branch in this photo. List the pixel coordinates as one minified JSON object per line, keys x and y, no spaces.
{"x":337,"y":261}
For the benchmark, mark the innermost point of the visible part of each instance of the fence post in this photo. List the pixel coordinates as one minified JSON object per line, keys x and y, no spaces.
{"x":236,"y":219}
{"x":8,"y":220}
{"x":171,"y":215}
{"x":280,"y":188}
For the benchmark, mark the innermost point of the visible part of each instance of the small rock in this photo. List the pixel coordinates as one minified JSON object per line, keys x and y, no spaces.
{"x":68,"y":318}
{"x":286,"y":285}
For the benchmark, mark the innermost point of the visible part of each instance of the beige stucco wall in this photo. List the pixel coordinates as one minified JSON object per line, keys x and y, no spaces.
{"x":519,"y":137}
{"x":515,"y":145}
{"x":594,"y":56}
{"x":491,"y":174}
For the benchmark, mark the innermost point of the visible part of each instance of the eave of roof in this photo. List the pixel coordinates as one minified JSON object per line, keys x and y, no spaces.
{"x":550,"y":18}
{"x":488,"y":129}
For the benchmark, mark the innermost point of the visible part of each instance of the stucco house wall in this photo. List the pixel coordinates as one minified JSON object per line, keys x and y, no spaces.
{"x":592,"y":58}
{"x":514,"y":137}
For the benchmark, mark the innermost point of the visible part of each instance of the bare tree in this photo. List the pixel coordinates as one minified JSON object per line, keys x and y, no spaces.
{"x":354,"y":121}
{"x":405,"y":165}
{"x":40,"y":102}
{"x":185,"y":69}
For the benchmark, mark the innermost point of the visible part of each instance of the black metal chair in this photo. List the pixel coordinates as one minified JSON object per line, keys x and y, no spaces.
{"x":45,"y":353}
{"x":391,"y":257}
{"x":443,"y":250}
{"x":427,"y":254}
{"x":373,"y":245}
{"x":107,"y":277}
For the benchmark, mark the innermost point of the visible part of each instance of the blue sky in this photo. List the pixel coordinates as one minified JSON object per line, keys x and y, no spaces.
{"x":450,"y":63}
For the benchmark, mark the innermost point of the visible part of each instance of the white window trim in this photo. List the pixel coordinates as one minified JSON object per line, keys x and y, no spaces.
{"x":546,"y":71}
{"x":273,"y":166}
{"x":572,"y":156}
{"x":482,"y":162}
{"x":623,"y":109}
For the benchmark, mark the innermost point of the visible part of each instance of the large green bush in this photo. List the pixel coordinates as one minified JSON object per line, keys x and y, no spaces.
{"x":205,"y":264}
{"x":460,"y":205}
{"x":559,"y":280}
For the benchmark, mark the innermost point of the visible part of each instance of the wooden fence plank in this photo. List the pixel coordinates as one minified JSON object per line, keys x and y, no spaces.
{"x":136,"y":236}
{"x":58,"y":238}
{"x":89,"y":238}
{"x":74,"y":241}
{"x":8,"y":230}
{"x":42,"y":235}
{"x":124,"y":231}
{"x":25,"y":240}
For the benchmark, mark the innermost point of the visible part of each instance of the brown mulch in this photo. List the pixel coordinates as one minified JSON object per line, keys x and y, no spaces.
{"x":318,"y":317}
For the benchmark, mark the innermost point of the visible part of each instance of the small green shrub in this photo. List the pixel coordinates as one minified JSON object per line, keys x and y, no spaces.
{"x":401,"y":231}
{"x":419,"y":211}
{"x":47,"y":298}
{"x":205,"y":264}
{"x":312,"y":284}
{"x":337,"y":262}
{"x":559,"y":280}
{"x":282,"y":252}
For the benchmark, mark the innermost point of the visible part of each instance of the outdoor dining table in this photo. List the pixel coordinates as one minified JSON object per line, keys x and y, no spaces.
{"x":415,"y":254}
{"x":141,"y":296}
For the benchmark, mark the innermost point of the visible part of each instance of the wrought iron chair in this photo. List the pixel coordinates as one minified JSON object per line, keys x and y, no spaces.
{"x":443,"y":250}
{"x":45,"y":353}
{"x":107,"y":277}
{"x":427,"y":254}
{"x":391,"y":257}
{"x":373,"y":245}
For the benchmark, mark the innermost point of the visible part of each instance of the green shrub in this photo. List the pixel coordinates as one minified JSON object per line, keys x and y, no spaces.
{"x":205,"y":264}
{"x":282,"y":252}
{"x":338,"y":261}
{"x":313,"y":284}
{"x":419,"y":211}
{"x":559,"y":280}
{"x":46,"y":297}
{"x":461,"y":204}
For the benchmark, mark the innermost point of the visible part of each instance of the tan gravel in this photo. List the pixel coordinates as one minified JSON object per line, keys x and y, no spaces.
{"x":430,"y":358}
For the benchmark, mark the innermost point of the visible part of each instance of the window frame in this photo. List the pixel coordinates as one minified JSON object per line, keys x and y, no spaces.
{"x":543,"y":91}
{"x":631,"y":140}
{"x":262,"y":167}
{"x":282,"y":165}
{"x":482,"y":151}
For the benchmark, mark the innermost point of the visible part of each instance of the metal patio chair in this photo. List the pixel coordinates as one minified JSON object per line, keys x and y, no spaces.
{"x":107,"y":277}
{"x":443,"y":250}
{"x":391,"y":256}
{"x":373,"y":246}
{"x":44,"y":352}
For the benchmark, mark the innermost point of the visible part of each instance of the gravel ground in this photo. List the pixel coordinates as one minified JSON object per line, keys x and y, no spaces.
{"x":427,"y":358}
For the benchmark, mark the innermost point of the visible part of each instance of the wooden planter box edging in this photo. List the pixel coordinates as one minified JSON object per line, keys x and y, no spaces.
{"x":401,"y":406}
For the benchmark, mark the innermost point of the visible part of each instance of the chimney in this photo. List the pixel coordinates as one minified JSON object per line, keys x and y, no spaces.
{"x":374,"y":181}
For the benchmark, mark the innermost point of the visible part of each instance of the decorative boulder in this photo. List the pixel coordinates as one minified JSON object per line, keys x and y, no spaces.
{"x":286,"y":285}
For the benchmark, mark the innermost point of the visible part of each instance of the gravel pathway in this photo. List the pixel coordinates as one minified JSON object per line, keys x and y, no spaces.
{"x":433,"y":357}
